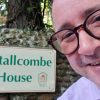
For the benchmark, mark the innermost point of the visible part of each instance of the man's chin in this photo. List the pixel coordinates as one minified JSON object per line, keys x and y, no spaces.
{"x":95,"y":69}
{"x":93,"y":74}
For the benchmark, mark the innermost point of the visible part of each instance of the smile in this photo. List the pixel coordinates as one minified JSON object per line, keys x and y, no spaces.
{"x":97,"y":63}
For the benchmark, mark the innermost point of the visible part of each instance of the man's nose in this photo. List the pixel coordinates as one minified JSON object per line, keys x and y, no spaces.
{"x":87,"y":44}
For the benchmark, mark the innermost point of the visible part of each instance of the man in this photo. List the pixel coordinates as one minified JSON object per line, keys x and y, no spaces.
{"x":77,"y":26}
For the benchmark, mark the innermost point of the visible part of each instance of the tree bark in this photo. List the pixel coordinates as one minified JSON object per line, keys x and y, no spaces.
{"x":24,"y":14}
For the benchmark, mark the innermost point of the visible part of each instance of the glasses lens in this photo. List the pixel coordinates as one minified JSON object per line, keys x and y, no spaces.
{"x":65,"y":41}
{"x":93,"y":24}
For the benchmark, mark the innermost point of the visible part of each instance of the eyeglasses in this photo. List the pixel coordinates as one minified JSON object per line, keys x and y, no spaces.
{"x":66,"y":41}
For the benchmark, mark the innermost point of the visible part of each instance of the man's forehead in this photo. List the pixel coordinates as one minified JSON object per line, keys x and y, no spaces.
{"x":66,"y":10}
{"x":74,"y":2}
{"x":68,"y":1}
{"x":71,"y":5}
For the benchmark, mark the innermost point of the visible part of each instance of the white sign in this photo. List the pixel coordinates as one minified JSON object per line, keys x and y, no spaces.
{"x":27,"y":70}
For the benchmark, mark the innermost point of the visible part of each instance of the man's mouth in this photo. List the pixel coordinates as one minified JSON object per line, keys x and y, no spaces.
{"x":97,"y":63}
{"x":93,"y":63}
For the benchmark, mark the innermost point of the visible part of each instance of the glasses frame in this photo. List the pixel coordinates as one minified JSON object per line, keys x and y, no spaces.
{"x":74,"y":30}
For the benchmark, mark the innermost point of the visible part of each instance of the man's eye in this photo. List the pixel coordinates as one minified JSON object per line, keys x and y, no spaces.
{"x":96,"y":22}
{"x":66,"y":35}
{"x":70,"y":38}
{"x":96,"y":19}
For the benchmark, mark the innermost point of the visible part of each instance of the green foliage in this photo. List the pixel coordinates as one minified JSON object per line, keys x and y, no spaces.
{"x":3,"y":7}
{"x":46,"y":12}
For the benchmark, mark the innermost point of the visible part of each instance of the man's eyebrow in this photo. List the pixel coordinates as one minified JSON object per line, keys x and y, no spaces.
{"x":84,"y":15}
{"x":90,"y":11}
{"x":65,"y":26}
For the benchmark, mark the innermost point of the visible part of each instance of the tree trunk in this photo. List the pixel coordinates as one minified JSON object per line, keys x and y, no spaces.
{"x":24,"y":14}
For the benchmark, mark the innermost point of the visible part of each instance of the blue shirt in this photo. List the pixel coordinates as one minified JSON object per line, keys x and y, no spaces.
{"x":83,"y":89}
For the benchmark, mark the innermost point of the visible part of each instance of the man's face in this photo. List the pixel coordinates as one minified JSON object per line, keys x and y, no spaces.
{"x":70,"y":14}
